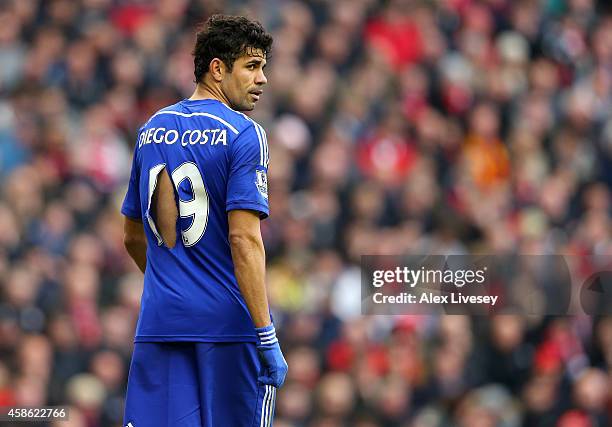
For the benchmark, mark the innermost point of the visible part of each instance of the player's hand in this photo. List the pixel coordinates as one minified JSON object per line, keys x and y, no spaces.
{"x":274,"y":364}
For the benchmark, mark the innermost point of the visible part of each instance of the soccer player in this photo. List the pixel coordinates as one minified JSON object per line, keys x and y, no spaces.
{"x":206,"y":352}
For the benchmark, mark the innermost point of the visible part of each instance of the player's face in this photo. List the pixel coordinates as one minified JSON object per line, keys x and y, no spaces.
{"x":244,"y":85}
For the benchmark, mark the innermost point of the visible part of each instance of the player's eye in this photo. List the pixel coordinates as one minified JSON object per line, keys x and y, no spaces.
{"x":251,"y":66}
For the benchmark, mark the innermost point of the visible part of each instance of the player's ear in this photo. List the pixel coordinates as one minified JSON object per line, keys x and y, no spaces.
{"x":217,"y":69}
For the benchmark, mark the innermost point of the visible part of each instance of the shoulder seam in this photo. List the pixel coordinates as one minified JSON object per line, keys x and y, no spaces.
{"x":212,"y":116}
{"x":241,"y":114}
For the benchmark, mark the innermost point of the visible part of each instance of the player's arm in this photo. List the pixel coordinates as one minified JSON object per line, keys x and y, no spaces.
{"x":134,"y":238}
{"x":249,"y":263}
{"x":247,"y":204}
{"x":135,"y":242}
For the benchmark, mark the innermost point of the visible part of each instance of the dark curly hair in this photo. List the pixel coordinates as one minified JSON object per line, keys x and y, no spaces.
{"x":227,"y":38}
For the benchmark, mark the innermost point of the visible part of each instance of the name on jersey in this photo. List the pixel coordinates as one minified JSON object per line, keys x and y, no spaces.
{"x":188,"y":137}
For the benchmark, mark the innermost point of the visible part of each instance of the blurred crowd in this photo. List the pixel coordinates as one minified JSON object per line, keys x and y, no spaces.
{"x":395,"y":127}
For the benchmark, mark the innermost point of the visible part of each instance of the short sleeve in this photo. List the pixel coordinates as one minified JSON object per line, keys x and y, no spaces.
{"x":131,"y":204}
{"x":247,"y":186}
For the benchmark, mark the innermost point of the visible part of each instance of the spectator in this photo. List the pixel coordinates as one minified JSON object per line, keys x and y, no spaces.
{"x":395,"y":127}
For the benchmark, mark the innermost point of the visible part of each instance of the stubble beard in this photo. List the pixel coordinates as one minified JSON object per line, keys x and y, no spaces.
{"x":245,"y":106}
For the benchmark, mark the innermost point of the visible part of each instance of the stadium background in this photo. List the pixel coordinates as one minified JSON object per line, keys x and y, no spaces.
{"x":397,"y":126}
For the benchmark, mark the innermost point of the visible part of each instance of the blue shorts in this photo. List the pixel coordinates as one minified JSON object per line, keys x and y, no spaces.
{"x":197,"y":385}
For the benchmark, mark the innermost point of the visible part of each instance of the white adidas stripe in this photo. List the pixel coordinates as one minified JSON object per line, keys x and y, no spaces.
{"x":263,"y":408}
{"x":267,"y":407}
{"x":266,"y":145}
{"x":264,"y":157}
{"x":261,"y":146}
{"x":272,"y":401}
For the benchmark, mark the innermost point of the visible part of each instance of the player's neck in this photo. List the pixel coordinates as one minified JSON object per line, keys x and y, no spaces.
{"x":206,"y":91}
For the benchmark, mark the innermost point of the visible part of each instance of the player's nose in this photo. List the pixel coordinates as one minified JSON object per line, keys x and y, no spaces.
{"x":260,"y":78}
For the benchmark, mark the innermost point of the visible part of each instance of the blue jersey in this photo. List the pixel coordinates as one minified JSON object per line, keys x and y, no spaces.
{"x":217,"y":159}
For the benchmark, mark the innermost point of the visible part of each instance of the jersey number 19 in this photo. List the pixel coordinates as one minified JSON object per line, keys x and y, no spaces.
{"x":196,"y":208}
